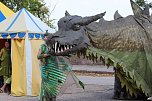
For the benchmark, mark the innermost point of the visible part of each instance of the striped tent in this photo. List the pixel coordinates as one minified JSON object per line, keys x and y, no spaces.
{"x":5,"y":12}
{"x":26,"y":34}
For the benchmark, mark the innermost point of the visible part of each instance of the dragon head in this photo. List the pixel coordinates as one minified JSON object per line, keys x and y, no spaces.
{"x":71,"y":35}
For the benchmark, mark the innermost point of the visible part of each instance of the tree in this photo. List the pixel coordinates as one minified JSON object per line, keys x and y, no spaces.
{"x":36,"y":7}
{"x":143,"y":3}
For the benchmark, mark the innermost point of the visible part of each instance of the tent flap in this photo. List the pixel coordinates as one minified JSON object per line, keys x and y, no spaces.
{"x":21,"y":35}
{"x":19,"y":85}
{"x":35,"y":36}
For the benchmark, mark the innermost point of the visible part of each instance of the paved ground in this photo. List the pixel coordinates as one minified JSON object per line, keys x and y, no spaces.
{"x":94,"y":91}
{"x":93,"y":68}
{"x":91,"y":93}
{"x":96,"y":88}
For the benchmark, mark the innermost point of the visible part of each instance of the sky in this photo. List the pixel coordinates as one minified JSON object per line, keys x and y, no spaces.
{"x":88,"y":8}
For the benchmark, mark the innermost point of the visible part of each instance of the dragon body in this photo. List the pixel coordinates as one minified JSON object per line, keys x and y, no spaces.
{"x":125,"y":43}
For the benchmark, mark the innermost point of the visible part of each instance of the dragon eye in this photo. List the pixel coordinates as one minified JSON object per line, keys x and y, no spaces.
{"x":76,"y":27}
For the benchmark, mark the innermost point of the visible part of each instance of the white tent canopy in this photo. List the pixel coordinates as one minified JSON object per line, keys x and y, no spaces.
{"x":26,"y":33}
{"x":24,"y":21}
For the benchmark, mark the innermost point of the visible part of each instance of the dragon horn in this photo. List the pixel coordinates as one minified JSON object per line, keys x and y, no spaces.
{"x":67,"y":13}
{"x":88,"y":20}
{"x":117,"y":15}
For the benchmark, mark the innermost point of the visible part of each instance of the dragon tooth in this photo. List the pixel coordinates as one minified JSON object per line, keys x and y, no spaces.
{"x":58,"y":47}
{"x":65,"y":47}
{"x":61,"y":49}
{"x":58,"y":50}
{"x":55,"y":47}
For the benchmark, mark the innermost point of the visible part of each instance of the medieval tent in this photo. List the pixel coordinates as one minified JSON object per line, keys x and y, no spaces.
{"x":5,"y":12}
{"x":26,"y":33}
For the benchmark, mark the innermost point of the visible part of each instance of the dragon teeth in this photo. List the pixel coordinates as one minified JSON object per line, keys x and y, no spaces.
{"x":60,"y":48}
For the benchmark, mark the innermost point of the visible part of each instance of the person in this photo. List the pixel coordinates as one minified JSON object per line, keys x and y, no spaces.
{"x":5,"y":67}
{"x":117,"y":86}
{"x":119,"y":91}
{"x":54,"y":73}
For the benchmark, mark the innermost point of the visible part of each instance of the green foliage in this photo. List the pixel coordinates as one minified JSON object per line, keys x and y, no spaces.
{"x":143,"y":3}
{"x":36,"y":7}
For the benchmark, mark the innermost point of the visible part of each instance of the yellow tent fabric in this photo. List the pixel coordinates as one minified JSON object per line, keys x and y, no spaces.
{"x":36,"y":66}
{"x":18,"y":87}
{"x":5,"y":10}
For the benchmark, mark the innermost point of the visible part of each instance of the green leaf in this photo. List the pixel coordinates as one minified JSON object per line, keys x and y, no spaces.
{"x":81,"y":84}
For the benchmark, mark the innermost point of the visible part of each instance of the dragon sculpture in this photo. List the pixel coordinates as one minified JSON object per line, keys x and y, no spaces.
{"x":125,"y":43}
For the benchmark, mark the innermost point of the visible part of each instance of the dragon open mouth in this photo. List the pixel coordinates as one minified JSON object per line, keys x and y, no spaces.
{"x":60,"y":49}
